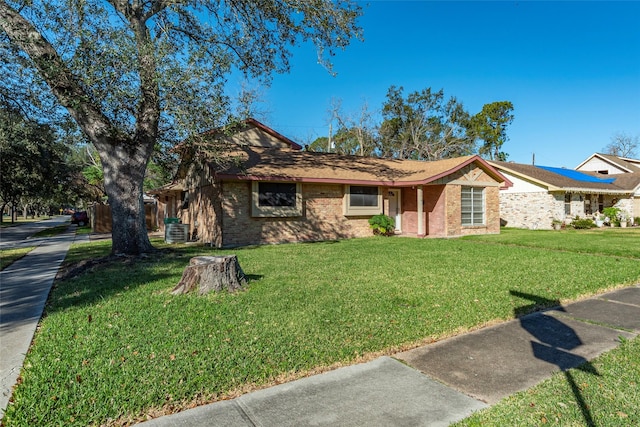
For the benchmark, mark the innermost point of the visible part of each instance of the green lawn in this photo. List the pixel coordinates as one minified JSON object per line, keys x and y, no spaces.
{"x":52,"y":231}
{"x":8,"y":256}
{"x":6,"y":220}
{"x":609,"y":241}
{"x":115,"y":344}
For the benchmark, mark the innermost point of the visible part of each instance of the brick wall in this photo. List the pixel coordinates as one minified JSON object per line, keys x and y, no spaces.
{"x":437,"y":206}
{"x":531,"y":210}
{"x":491,"y":215}
{"x":322,"y":218}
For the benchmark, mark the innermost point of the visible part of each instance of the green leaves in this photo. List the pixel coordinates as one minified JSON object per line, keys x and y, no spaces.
{"x":490,"y":125}
{"x":424,"y":126}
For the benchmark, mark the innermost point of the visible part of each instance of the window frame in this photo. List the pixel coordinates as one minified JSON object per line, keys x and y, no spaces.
{"x":351,"y":210}
{"x":472,"y":222}
{"x":275,"y":211}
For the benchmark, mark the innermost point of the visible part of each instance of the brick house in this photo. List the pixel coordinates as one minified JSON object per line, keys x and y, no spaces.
{"x":540,"y":194}
{"x":271,"y":191}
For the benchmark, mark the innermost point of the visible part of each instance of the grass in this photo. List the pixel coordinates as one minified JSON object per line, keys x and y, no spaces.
{"x":6,"y":221}
{"x":85,"y":229}
{"x":602,"y":393}
{"x":610,"y":241}
{"x":51,"y":231}
{"x":9,"y":256}
{"x":116,"y":345}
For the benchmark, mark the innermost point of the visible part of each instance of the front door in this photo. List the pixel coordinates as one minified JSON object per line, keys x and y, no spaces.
{"x":394,"y":208}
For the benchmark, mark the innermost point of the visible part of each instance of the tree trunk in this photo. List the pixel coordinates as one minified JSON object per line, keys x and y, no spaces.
{"x":124,"y":167}
{"x":211,"y":273}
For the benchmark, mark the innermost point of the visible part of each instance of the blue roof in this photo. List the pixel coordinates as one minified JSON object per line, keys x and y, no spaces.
{"x":577,"y":175}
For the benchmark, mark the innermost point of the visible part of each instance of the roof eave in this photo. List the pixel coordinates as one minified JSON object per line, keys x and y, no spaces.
{"x":549,"y":187}
{"x":594,"y":191}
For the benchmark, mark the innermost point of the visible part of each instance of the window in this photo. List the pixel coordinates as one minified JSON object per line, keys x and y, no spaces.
{"x":472,"y":206}
{"x":567,"y":204}
{"x":363,"y":200}
{"x":276,"y":194}
{"x":276,"y":199}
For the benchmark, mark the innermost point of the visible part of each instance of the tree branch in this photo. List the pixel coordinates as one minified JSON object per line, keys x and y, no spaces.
{"x":54,"y":71}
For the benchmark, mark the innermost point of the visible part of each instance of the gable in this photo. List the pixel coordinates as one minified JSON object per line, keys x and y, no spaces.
{"x":600,"y":164}
{"x":256,"y":134}
{"x":470,"y":174}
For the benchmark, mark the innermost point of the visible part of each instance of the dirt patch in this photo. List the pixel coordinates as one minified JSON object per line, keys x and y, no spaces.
{"x":67,"y":271}
{"x":70,"y":270}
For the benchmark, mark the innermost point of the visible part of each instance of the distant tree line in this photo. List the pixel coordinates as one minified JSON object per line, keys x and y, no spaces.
{"x":423,"y":125}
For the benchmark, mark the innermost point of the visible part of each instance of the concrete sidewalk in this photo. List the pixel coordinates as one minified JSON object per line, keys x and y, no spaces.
{"x":24,"y":288}
{"x":440,"y":383}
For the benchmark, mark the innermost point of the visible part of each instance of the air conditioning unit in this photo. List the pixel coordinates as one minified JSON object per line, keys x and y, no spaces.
{"x":176,"y":233}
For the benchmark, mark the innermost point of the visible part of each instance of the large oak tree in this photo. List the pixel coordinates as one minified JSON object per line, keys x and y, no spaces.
{"x":134,"y":72}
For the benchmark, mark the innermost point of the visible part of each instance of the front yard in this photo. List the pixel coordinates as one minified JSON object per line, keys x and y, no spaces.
{"x":115,"y":345}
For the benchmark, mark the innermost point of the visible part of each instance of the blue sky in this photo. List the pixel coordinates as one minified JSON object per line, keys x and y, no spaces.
{"x":571,"y":69}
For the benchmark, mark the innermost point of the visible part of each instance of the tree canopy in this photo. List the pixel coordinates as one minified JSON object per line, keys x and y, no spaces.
{"x":490,"y":125}
{"x":424,"y":126}
{"x":34,"y":171}
{"x":134,"y":73}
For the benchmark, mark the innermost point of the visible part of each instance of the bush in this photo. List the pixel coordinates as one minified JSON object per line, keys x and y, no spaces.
{"x":581,"y":224}
{"x":611,"y":213}
{"x":382,"y":224}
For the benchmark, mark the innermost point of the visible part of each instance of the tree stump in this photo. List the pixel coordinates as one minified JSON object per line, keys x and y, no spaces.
{"x":211,"y":273}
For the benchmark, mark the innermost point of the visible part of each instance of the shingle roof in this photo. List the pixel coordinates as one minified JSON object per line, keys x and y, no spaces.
{"x":577,"y":175}
{"x":277,"y":164}
{"x":621,"y":162}
{"x":621,"y":184}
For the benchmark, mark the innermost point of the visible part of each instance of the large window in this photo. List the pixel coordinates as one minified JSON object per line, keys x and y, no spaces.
{"x":363,"y":200}
{"x":276,"y":199}
{"x":472,"y":206}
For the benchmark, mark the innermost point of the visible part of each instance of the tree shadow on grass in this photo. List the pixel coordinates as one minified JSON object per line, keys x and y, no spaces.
{"x":554,"y":342}
{"x":93,"y":280}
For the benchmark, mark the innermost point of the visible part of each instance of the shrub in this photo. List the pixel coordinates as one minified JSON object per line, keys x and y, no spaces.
{"x":611,"y":213}
{"x":382,"y":224}
{"x":584,"y":223}
{"x":636,"y":220}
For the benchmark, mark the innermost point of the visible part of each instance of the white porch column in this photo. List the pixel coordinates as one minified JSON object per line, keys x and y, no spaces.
{"x":420,"y":212}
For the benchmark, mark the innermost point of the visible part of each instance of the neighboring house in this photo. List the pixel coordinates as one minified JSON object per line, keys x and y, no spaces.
{"x":540,"y":194}
{"x":272,"y":192}
{"x":607,"y":164}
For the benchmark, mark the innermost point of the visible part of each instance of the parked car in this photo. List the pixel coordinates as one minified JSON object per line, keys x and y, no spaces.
{"x":81,"y":218}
